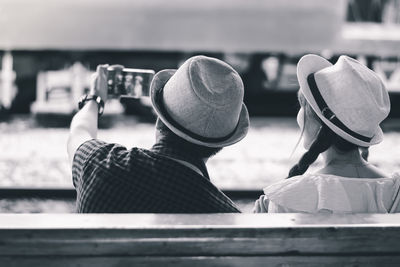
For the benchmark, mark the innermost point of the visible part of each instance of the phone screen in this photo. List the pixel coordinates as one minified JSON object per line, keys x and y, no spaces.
{"x":131,"y":83}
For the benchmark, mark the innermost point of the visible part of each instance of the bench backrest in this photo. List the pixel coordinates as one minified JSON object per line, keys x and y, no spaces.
{"x":199,"y":240}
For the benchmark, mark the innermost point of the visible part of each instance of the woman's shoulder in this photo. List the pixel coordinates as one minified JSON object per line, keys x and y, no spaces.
{"x":316,"y":179}
{"x":299,"y":183}
{"x":311,"y":192}
{"x":298,"y":192}
{"x":396,"y":175}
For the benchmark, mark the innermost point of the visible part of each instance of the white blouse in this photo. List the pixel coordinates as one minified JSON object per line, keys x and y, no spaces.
{"x":321,"y":193}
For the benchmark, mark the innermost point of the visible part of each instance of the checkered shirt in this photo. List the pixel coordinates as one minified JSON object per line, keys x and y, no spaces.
{"x":109,"y":178}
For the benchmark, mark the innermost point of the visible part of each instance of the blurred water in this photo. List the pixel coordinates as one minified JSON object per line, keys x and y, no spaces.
{"x":35,"y":156}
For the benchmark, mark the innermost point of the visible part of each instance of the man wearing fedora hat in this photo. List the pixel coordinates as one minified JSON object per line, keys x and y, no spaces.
{"x":200,"y":110}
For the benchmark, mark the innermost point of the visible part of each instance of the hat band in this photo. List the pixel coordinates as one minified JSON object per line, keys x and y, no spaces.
{"x":328,"y":113}
{"x":186,"y":131}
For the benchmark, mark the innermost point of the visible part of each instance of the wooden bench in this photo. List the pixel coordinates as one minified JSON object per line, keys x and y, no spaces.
{"x":199,"y":240}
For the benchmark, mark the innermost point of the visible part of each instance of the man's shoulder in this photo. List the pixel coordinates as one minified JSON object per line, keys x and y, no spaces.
{"x":99,"y":147}
{"x":101,"y":153}
{"x":96,"y":153}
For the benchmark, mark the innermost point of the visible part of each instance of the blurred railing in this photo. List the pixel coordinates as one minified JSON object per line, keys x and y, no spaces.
{"x":70,"y":193}
{"x":175,"y":25}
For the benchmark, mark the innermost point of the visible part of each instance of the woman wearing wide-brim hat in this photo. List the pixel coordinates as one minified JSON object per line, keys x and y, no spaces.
{"x":342,"y":106}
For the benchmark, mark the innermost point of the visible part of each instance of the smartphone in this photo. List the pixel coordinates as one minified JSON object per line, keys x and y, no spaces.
{"x":130,"y":83}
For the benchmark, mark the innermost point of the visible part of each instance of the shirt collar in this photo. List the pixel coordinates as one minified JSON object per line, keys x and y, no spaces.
{"x":176,"y":153}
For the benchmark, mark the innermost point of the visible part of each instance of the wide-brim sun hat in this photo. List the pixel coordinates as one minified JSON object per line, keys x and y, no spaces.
{"x":202,"y":102}
{"x":347,"y":96}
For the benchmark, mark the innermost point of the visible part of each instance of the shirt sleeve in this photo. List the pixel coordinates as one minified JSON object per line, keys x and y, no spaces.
{"x":96,"y":158}
{"x":98,"y":171}
{"x":82,"y":156}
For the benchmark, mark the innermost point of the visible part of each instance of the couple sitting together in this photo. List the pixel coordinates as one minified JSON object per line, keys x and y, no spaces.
{"x":200,"y":110}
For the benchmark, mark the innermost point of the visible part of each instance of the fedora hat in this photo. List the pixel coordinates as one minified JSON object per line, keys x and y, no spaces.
{"x":347,"y":96}
{"x":202,"y":102}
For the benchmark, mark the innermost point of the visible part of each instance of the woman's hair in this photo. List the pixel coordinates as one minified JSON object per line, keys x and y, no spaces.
{"x":171,"y":138}
{"x":325,"y":139}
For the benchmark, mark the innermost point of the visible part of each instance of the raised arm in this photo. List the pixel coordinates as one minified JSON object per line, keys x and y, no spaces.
{"x":84,"y":123}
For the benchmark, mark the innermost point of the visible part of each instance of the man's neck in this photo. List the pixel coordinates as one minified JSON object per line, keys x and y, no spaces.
{"x":178,"y":153}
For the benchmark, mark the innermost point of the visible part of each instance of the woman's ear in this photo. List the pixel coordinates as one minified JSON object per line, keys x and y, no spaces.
{"x":301,"y":118}
{"x":300,"y":123}
{"x":311,"y":128}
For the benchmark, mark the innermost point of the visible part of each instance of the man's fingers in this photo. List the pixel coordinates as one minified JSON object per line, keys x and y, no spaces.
{"x":102,"y":67}
{"x":116,"y":66}
{"x":99,"y":81}
{"x":101,"y":74}
{"x":93,"y":79}
{"x":102,"y":71}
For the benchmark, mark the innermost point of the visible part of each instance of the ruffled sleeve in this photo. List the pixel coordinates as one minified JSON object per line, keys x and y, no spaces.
{"x":309,"y":194}
{"x":395,"y":206}
{"x":333,"y":194}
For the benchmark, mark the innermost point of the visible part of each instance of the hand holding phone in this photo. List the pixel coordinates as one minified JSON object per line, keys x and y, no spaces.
{"x":99,"y":82}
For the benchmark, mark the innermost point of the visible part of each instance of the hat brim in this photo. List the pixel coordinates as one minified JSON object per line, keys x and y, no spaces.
{"x":159,"y":80}
{"x":310,"y":64}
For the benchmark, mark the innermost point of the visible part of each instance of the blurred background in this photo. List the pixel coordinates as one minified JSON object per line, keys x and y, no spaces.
{"x":49,"y":49}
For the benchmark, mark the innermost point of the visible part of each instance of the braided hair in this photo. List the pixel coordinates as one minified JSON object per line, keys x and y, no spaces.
{"x":320,"y":144}
{"x":325,"y":139}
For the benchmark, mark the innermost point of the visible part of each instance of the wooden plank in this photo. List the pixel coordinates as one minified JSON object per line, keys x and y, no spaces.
{"x":192,"y":242}
{"x":199,"y":235}
{"x":177,"y":25}
{"x":182,"y":221}
{"x":250,"y":261}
